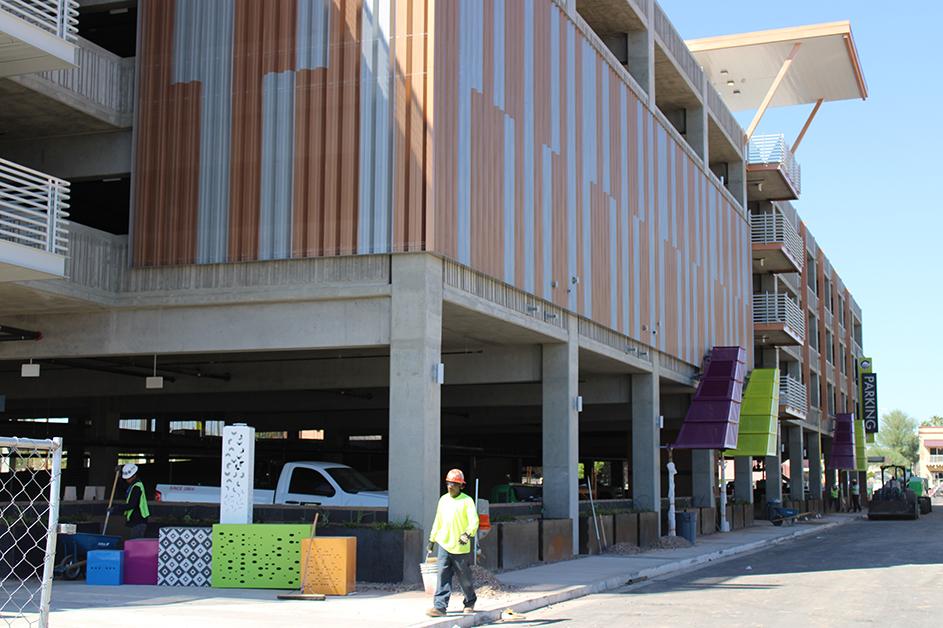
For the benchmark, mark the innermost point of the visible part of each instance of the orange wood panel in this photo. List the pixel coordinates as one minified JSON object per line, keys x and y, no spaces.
{"x":349,"y":147}
{"x":167,"y":159}
{"x":308,"y":210}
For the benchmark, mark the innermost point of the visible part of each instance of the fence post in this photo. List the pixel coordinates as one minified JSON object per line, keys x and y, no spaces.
{"x":52,"y":206}
{"x":51,"y":534}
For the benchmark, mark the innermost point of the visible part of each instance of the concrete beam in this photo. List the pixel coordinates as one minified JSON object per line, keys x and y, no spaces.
{"x":815,"y":464}
{"x":561,"y":429}
{"x":796,"y":473}
{"x":93,"y":156}
{"x":743,"y":479}
{"x":646,"y":437}
{"x":415,"y":396}
{"x":189,"y":330}
{"x":704,"y":477}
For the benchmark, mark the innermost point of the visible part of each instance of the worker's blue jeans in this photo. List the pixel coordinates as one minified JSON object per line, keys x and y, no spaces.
{"x":459,"y":564}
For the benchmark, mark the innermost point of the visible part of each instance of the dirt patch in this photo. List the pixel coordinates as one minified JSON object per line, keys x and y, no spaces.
{"x":388,"y":587}
{"x":488,"y":584}
{"x":672,"y":542}
{"x":624,"y":549}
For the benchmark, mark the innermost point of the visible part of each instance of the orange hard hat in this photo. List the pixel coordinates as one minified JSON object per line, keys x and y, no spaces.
{"x":455,"y":475}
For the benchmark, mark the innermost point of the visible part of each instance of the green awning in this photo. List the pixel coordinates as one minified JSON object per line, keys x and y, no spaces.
{"x":759,"y":413}
{"x":861,"y":458}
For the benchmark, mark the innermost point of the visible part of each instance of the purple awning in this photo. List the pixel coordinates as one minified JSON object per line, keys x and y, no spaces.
{"x":711,"y":421}
{"x":843,"y":443}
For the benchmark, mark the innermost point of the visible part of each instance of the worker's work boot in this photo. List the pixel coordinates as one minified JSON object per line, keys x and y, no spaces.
{"x":469,"y":610}
{"x":435,"y":612}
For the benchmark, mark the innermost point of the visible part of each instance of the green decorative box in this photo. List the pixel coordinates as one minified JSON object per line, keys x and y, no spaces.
{"x":258,"y":556}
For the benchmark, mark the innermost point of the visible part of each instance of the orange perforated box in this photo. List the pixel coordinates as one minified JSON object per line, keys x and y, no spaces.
{"x":329,"y":565}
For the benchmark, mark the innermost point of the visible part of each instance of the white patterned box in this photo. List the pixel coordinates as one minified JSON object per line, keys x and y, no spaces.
{"x":185,"y":557}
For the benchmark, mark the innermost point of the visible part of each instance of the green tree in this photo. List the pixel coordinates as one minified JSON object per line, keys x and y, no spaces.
{"x":897,"y":441}
{"x":934,"y":421}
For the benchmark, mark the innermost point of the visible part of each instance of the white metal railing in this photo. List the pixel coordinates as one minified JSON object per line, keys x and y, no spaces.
{"x":792,"y":393}
{"x":33,"y":208}
{"x":792,"y":281}
{"x":102,"y":77}
{"x":856,"y":350}
{"x":772,"y":149}
{"x":677,"y":48}
{"x":59,"y":17}
{"x":726,"y":120}
{"x":935,"y":459}
{"x":773,"y":227}
{"x":813,"y":298}
{"x":778,"y":308}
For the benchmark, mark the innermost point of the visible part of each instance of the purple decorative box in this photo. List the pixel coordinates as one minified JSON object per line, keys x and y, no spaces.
{"x":714,"y":415}
{"x":843,"y":444}
{"x":140,"y":561}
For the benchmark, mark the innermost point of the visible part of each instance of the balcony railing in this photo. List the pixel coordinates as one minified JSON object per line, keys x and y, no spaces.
{"x":102,"y":78}
{"x":792,"y":393}
{"x":33,"y":208}
{"x":59,"y":17}
{"x":935,"y":459}
{"x":772,"y":227}
{"x":677,"y":48}
{"x":768,"y":150}
{"x":778,"y":308}
{"x":716,"y":105}
{"x":856,"y":350}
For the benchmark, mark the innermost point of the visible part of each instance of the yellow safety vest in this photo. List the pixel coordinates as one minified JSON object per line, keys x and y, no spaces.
{"x":142,"y":502}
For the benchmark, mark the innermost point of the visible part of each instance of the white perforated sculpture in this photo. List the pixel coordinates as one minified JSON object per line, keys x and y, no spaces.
{"x":238,"y":473}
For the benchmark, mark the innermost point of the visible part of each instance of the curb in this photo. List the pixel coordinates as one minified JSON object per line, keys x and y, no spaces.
{"x":600,"y":586}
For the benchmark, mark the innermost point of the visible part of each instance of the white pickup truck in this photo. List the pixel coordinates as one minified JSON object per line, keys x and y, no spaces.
{"x":313,"y":483}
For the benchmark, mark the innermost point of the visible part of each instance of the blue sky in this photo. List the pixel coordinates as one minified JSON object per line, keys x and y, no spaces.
{"x":871,"y":180}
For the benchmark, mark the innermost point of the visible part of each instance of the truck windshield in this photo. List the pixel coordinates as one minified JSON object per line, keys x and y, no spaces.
{"x":351,"y":480}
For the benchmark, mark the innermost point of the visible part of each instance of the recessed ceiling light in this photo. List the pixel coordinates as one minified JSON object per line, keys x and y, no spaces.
{"x":723,"y":71}
{"x":730,"y":82}
{"x":736,"y":91}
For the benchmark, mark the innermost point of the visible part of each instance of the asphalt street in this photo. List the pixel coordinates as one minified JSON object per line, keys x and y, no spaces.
{"x":887,"y":573}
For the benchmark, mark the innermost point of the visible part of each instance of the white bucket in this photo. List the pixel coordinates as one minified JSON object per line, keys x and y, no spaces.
{"x":430,"y":576}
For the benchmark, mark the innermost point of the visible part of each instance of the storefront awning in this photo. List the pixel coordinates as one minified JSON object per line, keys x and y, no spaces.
{"x":712,"y":420}
{"x":759,"y":413}
{"x":933,"y":443}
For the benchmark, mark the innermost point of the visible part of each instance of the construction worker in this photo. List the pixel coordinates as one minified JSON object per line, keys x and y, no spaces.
{"x":855,"y":496}
{"x":836,"y":501}
{"x":456,"y":523}
{"x":135,"y":508}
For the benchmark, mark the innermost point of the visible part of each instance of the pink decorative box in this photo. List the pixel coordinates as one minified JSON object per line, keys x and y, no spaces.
{"x":140,"y":561}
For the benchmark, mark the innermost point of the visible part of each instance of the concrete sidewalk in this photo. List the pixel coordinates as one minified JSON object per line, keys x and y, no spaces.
{"x":79,"y":605}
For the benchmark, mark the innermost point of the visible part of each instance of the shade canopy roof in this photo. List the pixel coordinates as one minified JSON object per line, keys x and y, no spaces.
{"x":826,"y":65}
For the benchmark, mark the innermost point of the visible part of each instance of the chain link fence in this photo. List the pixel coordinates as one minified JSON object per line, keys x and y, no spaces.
{"x":29,"y":516}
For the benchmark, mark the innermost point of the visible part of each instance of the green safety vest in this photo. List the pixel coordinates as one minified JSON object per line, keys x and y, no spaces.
{"x":142,"y":502}
{"x":834,"y":490}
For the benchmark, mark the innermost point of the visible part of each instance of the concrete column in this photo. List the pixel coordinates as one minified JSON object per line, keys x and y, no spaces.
{"x":639,"y":62}
{"x":815,"y":464}
{"x":796,"y":474}
{"x":774,"y":474}
{"x":104,"y":431}
{"x":743,"y":479}
{"x":646,"y":436}
{"x":561,"y":429}
{"x":703,"y":477}
{"x":415,"y":397}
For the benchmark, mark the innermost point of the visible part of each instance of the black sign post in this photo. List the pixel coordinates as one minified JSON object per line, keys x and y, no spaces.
{"x":869,"y":402}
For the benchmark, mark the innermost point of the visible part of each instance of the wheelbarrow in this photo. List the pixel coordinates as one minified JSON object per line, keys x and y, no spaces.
{"x":70,"y":563}
{"x":777,"y":514}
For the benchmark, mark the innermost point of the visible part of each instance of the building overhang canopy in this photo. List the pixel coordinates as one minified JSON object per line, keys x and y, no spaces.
{"x":825,"y":66}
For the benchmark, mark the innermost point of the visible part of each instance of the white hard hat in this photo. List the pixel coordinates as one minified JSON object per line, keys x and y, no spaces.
{"x":129,"y":470}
